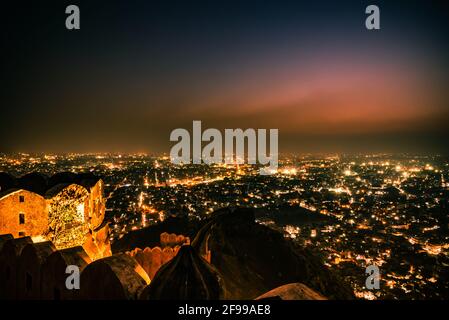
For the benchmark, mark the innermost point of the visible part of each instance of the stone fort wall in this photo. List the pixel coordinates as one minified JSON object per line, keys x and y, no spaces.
{"x":151,"y":259}
{"x":38,"y":270}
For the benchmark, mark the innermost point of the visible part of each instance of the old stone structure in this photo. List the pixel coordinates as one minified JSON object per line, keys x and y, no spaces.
{"x":187,"y":276}
{"x":151,"y":259}
{"x":29,"y":268}
{"x":23,"y":213}
{"x":9,"y":266}
{"x":67,"y":209}
{"x":173,"y":240}
{"x":53,"y":274}
{"x":67,"y":205}
{"x":121,"y":278}
{"x":38,"y":271}
{"x":48,"y":224}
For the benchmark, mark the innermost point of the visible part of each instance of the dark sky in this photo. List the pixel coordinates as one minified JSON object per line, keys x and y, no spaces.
{"x":139,"y":69}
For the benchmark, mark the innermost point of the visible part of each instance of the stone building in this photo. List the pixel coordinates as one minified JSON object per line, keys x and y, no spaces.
{"x":67,"y":209}
{"x":67,"y":204}
{"x":38,"y":270}
{"x":23,"y":213}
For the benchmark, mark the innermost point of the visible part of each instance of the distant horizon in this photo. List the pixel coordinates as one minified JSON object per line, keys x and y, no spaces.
{"x":136,"y":71}
{"x":281,"y":154}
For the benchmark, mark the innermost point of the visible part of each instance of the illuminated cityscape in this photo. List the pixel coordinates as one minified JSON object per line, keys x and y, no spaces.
{"x":238,"y":152}
{"x":352,"y":211}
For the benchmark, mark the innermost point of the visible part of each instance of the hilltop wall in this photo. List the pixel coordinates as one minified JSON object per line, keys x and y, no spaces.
{"x":151,"y":259}
{"x":37,"y":270}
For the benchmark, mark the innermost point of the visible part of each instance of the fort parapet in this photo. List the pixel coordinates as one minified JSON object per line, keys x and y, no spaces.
{"x":31,"y":270}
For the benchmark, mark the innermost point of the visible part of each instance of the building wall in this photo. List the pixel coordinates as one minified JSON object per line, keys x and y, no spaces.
{"x":35,"y":214}
{"x":97,"y":244}
{"x":9,"y":257}
{"x":151,"y":259}
{"x":38,"y":271}
{"x":173,"y":240}
{"x":53,"y":275}
{"x":30,"y":269}
{"x":96,"y":205}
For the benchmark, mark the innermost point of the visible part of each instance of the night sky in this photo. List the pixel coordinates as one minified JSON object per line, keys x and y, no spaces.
{"x":139,"y":69}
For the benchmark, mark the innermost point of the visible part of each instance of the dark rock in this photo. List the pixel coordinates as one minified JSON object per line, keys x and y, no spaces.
{"x":185,"y":277}
{"x":292,"y":291}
